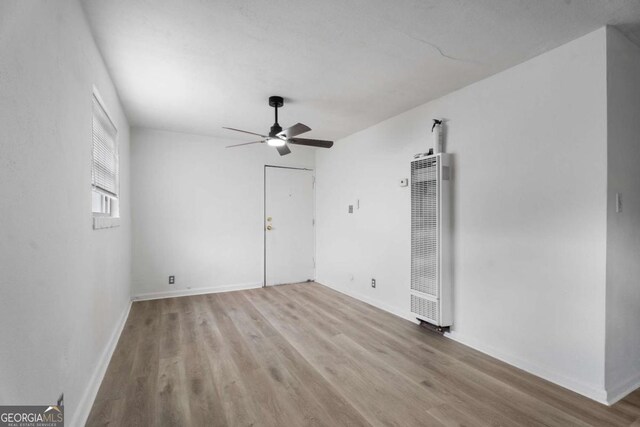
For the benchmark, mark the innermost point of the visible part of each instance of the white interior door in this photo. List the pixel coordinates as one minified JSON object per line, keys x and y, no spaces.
{"x":289,"y":225}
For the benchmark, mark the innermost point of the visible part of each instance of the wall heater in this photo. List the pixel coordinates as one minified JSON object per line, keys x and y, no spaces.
{"x":431,"y":293}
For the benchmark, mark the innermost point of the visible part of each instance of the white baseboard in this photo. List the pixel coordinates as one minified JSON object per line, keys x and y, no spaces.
{"x":587,"y":390}
{"x":91,"y":391}
{"x":382,"y":306}
{"x":595,"y":393}
{"x":621,"y":390}
{"x":195,"y":291}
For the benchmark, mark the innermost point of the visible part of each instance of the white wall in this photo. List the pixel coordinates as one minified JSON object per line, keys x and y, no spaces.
{"x":529,"y":147}
{"x":64,"y":287}
{"x":623,"y":229}
{"x":198,"y":211}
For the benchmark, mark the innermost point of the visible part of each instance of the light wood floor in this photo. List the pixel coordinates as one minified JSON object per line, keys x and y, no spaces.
{"x":304,"y":354}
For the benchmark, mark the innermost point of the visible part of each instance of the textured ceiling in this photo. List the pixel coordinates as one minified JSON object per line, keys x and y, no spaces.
{"x":195,"y":65}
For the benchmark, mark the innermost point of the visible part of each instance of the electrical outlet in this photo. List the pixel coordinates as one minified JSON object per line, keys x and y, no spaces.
{"x":373,"y":283}
{"x":172,"y":280}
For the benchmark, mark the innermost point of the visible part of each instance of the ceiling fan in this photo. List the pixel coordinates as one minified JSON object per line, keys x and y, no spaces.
{"x":279,"y":138}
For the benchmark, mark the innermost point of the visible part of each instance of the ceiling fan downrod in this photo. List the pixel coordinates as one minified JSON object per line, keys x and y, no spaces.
{"x":276,"y":102}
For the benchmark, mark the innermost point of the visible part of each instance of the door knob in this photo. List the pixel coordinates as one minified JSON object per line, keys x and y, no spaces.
{"x":269,"y":227}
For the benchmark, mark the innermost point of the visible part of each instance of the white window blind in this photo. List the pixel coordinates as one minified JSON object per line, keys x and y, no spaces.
{"x":105,"y":153}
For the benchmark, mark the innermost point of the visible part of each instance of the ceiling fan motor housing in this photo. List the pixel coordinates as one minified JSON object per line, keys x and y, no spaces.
{"x":275,"y":129}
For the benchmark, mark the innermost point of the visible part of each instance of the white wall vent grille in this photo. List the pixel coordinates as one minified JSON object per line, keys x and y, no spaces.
{"x":424,"y":226}
{"x":430,"y":235}
{"x":427,"y":309}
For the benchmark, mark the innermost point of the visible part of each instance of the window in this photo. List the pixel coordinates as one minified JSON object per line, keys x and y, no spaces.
{"x":104,"y":170}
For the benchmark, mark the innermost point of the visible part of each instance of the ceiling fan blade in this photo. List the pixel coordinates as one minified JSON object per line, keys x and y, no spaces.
{"x":311,"y":142}
{"x":294,"y":130}
{"x":244,"y":143}
{"x":283,"y":150}
{"x":244,"y":131}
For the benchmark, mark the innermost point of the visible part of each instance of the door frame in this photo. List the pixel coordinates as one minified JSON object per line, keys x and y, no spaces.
{"x":264,"y":218}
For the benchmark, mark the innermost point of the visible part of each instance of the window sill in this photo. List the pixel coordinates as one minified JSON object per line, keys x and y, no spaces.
{"x":101,"y":222}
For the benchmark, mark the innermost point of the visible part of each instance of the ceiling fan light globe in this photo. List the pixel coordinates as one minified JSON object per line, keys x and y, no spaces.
{"x":276,"y":142}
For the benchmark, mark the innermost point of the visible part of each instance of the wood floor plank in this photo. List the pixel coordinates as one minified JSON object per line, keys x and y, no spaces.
{"x":171,"y":335}
{"x":278,"y":384}
{"x":140,"y":389}
{"x":205,"y":404}
{"x":520,"y":402}
{"x":107,"y":412}
{"x":576,"y":405}
{"x":266,"y":403}
{"x":295,"y":397}
{"x":451,"y":417}
{"x":338,"y":408}
{"x":305,"y":354}
{"x":172,"y":408}
{"x":140,"y":400}
{"x":223,"y":371}
{"x":521,"y":405}
{"x":415,"y":365}
{"x":411,"y":363}
{"x":375,"y":393}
